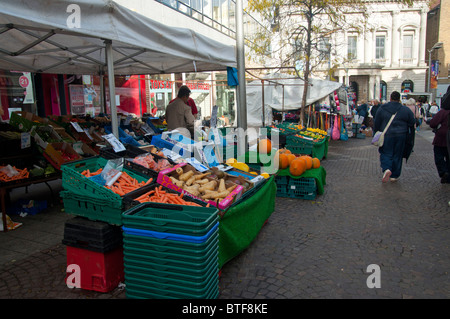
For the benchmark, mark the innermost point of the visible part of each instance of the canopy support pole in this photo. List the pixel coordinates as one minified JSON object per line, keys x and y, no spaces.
{"x":241,"y":90}
{"x":112,"y":88}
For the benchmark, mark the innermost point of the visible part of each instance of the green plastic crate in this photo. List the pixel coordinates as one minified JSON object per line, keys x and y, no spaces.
{"x":173,"y":246}
{"x":303,"y":188}
{"x":170,"y":258}
{"x":175,"y":256}
{"x":152,"y":285}
{"x":168,"y":264}
{"x":305,"y":149}
{"x":138,"y":291}
{"x":95,"y":209}
{"x":185,"y":269}
{"x":212,"y":268}
{"x":141,"y":275}
{"x":73,"y":181}
{"x":177,"y":219}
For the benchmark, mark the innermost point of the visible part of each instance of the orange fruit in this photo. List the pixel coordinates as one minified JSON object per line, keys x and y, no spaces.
{"x":285,"y":151}
{"x":309,"y":162}
{"x":298,"y":166}
{"x":291,"y":157}
{"x":284,"y":161}
{"x":265,"y":146}
{"x":316,"y":162}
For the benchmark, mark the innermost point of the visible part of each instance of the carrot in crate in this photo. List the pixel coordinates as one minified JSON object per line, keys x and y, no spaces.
{"x":23,"y":173}
{"x":126,"y":184}
{"x":158,"y":195}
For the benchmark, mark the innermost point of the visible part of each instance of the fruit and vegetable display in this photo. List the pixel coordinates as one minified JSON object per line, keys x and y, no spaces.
{"x":158,"y":195}
{"x":10,"y":173}
{"x":148,"y":161}
{"x":123,"y":185}
{"x":199,"y":185}
{"x":297,"y":130}
{"x":297,"y":165}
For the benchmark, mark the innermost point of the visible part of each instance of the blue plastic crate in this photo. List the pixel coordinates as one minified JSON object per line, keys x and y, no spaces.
{"x":159,"y":142}
{"x":162,"y":235}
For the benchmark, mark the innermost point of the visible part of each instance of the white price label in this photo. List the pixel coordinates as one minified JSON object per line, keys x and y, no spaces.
{"x":25,"y":139}
{"x":77,"y":127}
{"x":115,"y":143}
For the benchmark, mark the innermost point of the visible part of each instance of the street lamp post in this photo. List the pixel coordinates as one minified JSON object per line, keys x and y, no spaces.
{"x":436,"y":46}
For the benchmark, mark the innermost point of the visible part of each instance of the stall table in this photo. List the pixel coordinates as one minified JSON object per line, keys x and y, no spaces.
{"x":241,"y":223}
{"x":25,"y":183}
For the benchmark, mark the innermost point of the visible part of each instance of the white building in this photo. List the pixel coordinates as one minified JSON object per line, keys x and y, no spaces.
{"x":389,"y":54}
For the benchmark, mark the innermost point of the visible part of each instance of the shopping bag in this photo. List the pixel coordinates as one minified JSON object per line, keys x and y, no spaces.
{"x":378,"y":139}
{"x":336,"y":134}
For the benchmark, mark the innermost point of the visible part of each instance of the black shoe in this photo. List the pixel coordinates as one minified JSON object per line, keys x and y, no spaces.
{"x":445,"y":178}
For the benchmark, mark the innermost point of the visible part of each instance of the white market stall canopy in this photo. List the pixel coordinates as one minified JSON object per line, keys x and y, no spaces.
{"x":282,"y":94}
{"x":42,"y":36}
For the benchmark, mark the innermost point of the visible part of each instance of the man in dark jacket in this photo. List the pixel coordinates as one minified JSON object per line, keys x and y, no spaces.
{"x":391,"y":153}
{"x":375,"y":106}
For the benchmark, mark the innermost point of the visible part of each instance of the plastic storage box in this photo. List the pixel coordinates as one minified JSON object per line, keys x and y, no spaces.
{"x":98,"y":271}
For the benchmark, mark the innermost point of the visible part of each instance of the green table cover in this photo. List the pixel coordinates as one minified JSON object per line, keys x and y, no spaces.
{"x":240,"y":225}
{"x":320,"y":150}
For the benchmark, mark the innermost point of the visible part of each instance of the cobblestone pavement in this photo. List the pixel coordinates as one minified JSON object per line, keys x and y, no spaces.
{"x":312,"y":249}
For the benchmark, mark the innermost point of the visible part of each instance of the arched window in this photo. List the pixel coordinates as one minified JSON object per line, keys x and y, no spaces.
{"x":383,"y":91}
{"x":407,"y":86}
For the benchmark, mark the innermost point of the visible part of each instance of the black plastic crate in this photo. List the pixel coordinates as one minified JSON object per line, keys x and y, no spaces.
{"x":91,"y":235}
{"x":128,"y":163}
{"x":130,"y":152}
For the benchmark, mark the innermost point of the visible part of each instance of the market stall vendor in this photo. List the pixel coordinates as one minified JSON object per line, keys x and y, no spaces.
{"x":179,"y":114}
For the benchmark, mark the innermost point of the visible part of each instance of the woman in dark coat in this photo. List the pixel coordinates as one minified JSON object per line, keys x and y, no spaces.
{"x":393,"y":150}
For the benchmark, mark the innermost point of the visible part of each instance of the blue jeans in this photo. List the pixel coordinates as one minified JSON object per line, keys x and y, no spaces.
{"x":391,"y":154}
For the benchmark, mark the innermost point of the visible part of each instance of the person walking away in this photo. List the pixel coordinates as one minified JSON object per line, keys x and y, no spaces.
{"x":375,"y":106}
{"x":411,"y":104}
{"x":391,"y":153}
{"x":421,"y":115}
{"x":363,"y":111}
{"x":440,"y":125}
{"x":433,"y":109}
{"x":179,"y":114}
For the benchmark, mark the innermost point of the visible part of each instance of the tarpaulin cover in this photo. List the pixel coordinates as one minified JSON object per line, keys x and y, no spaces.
{"x":240,"y":225}
{"x":42,"y":36}
{"x":282,"y":95}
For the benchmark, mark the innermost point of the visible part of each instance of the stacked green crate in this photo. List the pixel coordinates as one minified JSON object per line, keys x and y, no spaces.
{"x":171,"y":251}
{"x":83,"y":196}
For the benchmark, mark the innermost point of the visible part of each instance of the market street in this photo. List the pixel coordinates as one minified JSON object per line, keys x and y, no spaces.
{"x":317,"y":249}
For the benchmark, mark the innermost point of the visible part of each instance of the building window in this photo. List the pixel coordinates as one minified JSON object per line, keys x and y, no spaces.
{"x":379,"y":47}
{"x":324,"y":49}
{"x":407,"y":86}
{"x":407,"y":46}
{"x":383,"y":91}
{"x":351,"y":47}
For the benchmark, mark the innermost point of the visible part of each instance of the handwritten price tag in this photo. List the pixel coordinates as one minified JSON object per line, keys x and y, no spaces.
{"x":115,"y":143}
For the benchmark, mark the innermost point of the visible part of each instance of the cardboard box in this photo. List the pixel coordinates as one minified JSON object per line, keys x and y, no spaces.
{"x":38,"y":133}
{"x":55,"y":152}
{"x":164,"y":179}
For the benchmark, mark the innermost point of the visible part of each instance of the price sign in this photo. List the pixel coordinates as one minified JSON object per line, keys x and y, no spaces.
{"x":25,"y":140}
{"x":115,"y":143}
{"x":77,"y":127}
